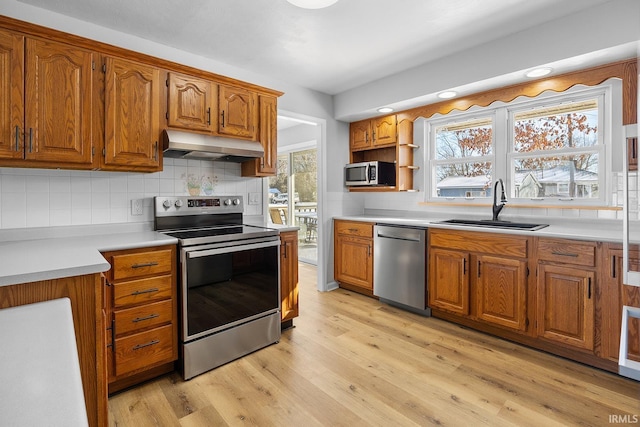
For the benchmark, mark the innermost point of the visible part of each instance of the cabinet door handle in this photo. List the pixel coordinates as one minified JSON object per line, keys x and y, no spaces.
{"x":373,"y":135}
{"x":464,"y":266}
{"x":145,"y":264}
{"x":564,"y":254}
{"x":222,"y":122}
{"x":285,"y":250}
{"x":613,"y":266}
{"x":589,"y":289}
{"x":479,"y":265}
{"x":17,"y":138}
{"x":152,"y":342}
{"x":146,"y":291}
{"x":369,"y":250}
{"x":30,"y":140}
{"x":155,"y":151}
{"x":209,"y":115}
{"x":142,"y":319}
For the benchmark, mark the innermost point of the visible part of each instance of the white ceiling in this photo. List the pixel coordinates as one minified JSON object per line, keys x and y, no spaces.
{"x":331,"y":50}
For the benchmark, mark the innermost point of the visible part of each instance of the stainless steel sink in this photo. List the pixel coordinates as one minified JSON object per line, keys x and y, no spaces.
{"x":494,"y":224}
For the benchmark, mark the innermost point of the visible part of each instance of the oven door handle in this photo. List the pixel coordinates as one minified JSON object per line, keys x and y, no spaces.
{"x":195,"y":253}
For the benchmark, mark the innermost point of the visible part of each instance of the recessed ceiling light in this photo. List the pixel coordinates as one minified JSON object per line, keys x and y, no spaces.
{"x":385,"y":110}
{"x":312,"y":4}
{"x":447,"y":94}
{"x":539,"y":72}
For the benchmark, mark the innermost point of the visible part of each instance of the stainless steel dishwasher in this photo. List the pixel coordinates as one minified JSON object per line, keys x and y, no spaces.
{"x":400,"y":266}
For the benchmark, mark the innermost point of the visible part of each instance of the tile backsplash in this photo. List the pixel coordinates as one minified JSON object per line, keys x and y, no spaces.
{"x":52,"y":197}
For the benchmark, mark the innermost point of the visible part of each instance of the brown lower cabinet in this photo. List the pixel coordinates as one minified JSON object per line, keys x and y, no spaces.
{"x":289,"y":277}
{"x":141,"y":312}
{"x":559,"y":295}
{"x":353,"y":255}
{"x":87,"y":306}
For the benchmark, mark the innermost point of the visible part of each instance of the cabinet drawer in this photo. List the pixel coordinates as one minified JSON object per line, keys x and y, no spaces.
{"x":567,"y":252}
{"x":354,"y":228}
{"x":142,"y":291}
{"x":143,"y":317}
{"x":144,"y":349}
{"x":141,"y":264}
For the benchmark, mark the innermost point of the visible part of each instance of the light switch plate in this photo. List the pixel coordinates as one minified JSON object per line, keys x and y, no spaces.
{"x":136,"y":207}
{"x":254,"y":198}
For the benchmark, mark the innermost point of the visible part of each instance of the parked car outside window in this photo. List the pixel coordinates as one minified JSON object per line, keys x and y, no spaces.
{"x":284,"y":198}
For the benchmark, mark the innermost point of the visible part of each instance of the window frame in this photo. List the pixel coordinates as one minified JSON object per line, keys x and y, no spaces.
{"x":609,"y":105}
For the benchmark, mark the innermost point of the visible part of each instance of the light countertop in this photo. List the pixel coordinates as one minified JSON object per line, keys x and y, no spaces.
{"x":603,"y":231}
{"x":23,"y":261}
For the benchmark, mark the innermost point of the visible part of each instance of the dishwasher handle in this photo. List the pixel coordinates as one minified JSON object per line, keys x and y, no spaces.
{"x":408,"y":239}
{"x":400,"y":233}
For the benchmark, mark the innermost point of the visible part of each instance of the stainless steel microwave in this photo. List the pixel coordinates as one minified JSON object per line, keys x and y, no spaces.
{"x":370,"y":173}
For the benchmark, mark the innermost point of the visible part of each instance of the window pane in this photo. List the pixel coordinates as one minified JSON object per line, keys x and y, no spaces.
{"x":463,"y":180}
{"x":563,"y":126}
{"x":458,"y":140}
{"x":574,"y":176}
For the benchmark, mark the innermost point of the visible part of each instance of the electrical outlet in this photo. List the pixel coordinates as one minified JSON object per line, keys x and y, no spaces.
{"x":136,"y":206}
{"x":254,"y":198}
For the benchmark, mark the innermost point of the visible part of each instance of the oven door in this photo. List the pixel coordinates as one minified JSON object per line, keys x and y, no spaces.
{"x":227,"y":284}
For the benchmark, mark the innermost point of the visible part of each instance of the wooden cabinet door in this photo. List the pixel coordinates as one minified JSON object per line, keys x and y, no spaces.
{"x":384,"y":130}
{"x":449,"y":280}
{"x":59,"y":90}
{"x":11,"y":95}
{"x":268,"y":164}
{"x":566,"y":305}
{"x":360,"y":135}
{"x":354,"y":261}
{"x":613,"y":296}
{"x":191,"y":103}
{"x":238,"y":112}
{"x":289,"y":275}
{"x":132,"y":116}
{"x":501,"y":291}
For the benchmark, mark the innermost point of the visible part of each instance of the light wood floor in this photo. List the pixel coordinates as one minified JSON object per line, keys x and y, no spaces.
{"x":352,"y":361}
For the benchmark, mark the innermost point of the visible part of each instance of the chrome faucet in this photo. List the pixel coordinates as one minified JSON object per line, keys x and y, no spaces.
{"x":503,"y":199}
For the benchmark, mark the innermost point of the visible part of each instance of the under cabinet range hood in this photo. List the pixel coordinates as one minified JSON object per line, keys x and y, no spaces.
{"x":188,"y":145}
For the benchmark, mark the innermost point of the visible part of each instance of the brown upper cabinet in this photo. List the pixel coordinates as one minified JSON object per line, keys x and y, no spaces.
{"x":192,"y":103}
{"x":267,"y":165}
{"x":132,"y":116}
{"x":46,"y":93}
{"x":238,"y":108}
{"x":373,"y":133}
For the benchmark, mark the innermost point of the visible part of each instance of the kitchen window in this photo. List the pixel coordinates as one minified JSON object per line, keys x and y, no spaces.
{"x":554,"y":148}
{"x":462,"y":157}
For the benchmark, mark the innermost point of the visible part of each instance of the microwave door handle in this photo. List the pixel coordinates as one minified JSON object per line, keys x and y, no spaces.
{"x":368,"y":173}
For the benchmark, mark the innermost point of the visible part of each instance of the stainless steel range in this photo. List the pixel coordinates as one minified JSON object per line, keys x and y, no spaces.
{"x":229,"y":280}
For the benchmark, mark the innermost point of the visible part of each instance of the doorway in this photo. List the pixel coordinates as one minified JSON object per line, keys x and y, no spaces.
{"x":293,"y":192}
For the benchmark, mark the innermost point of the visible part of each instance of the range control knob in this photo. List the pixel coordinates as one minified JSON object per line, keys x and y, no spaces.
{"x":178,"y":203}
{"x":166,"y":204}
{"x":236,"y":202}
{"x":227,"y":202}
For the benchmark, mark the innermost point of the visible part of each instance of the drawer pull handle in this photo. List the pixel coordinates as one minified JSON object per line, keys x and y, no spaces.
{"x":564,"y":254}
{"x":146,"y":291}
{"x":152,"y":342}
{"x":353,"y":230}
{"x":149,"y":317}
{"x":145,"y":264}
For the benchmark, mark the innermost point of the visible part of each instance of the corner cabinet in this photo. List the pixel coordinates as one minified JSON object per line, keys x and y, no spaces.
{"x":480,"y":276}
{"x":353,"y":255}
{"x":142,"y":319}
{"x":46,"y":103}
{"x":132,"y":116}
{"x":387,"y":139}
{"x":288,"y":277}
